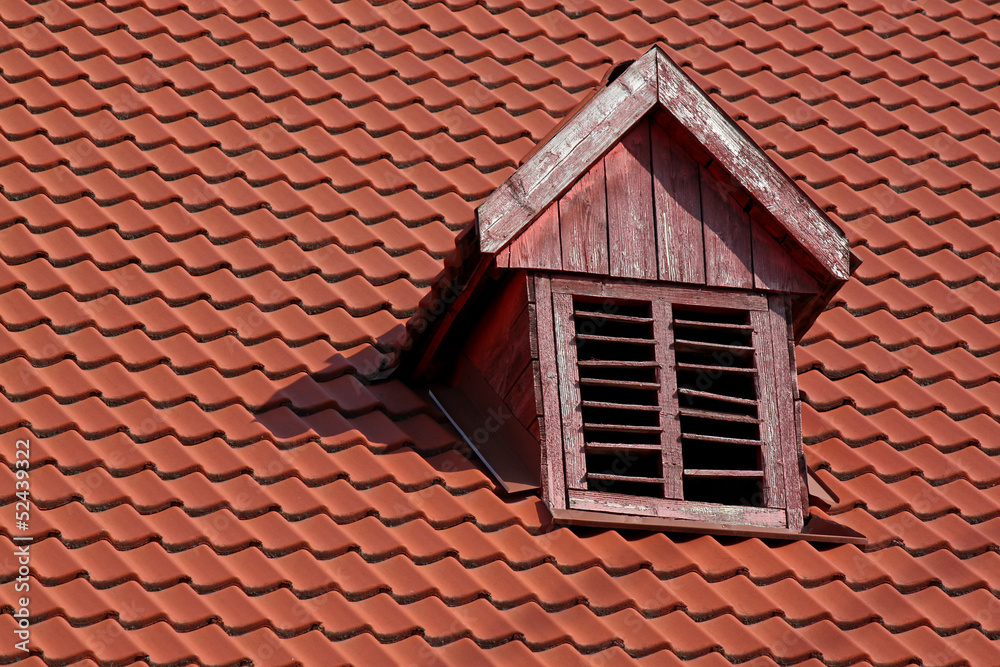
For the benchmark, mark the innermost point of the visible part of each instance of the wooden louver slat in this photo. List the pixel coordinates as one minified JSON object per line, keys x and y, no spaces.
{"x":613,"y":317}
{"x":718,"y":397}
{"x":617,"y":446}
{"x":719,"y":415}
{"x":624,"y":384}
{"x":623,"y":428}
{"x":595,"y":363}
{"x":620,"y":406}
{"x":625,"y":478}
{"x":717,"y":474}
{"x":715,"y":369}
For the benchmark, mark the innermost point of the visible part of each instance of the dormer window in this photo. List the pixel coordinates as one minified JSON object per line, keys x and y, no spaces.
{"x":640,"y":284}
{"x":669,"y":402}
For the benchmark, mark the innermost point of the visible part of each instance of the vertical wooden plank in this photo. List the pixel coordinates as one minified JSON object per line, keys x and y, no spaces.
{"x":550,"y":427}
{"x":536,"y":372}
{"x":670,"y":434}
{"x":583,"y":224}
{"x":773,"y":268}
{"x":520,"y":398}
{"x":532,"y":327}
{"x":803,"y":498}
{"x":503,"y":258}
{"x":539,"y":246}
{"x":728,"y":257}
{"x":631,"y":229}
{"x":677,"y":198}
{"x":785,"y":393}
{"x":768,"y":410}
{"x":569,"y":391}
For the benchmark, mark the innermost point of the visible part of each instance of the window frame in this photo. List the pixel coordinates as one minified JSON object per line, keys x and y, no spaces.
{"x":563,"y":441}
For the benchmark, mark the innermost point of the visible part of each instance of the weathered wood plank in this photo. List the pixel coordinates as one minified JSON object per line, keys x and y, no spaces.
{"x":692,"y":296}
{"x":532,"y":327}
{"x":670,"y":436}
{"x":583,"y":224}
{"x":728,"y":251}
{"x":768,"y":184}
{"x":503,"y":258}
{"x":579,"y":143}
{"x":569,"y":391}
{"x":611,"y":111}
{"x":774,"y":269}
{"x":817,"y":530}
{"x":677,"y":198}
{"x":550,"y":427}
{"x":715,"y":473}
{"x":677,"y":509}
{"x":631,"y":230}
{"x":503,"y":363}
{"x":768,"y":410}
{"x":536,"y":371}
{"x":786,"y":391}
{"x":539,"y":246}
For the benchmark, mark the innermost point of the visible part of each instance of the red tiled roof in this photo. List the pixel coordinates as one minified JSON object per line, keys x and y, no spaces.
{"x":217,"y":219}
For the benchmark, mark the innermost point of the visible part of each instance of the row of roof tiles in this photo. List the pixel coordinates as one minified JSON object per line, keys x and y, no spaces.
{"x":942,"y":551}
{"x":333,"y":614}
{"x":305,"y":168}
{"x":161,"y":644}
{"x":94,"y":418}
{"x":728,"y":22}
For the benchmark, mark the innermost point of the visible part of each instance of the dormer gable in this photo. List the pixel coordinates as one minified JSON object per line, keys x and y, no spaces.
{"x":687,"y":197}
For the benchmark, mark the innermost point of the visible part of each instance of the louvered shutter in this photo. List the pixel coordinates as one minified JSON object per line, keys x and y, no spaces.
{"x":669,"y":402}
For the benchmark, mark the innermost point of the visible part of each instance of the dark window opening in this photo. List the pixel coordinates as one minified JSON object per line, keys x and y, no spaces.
{"x":717,"y":403}
{"x":744,"y":492}
{"x":619,"y":396}
{"x":634,"y":472}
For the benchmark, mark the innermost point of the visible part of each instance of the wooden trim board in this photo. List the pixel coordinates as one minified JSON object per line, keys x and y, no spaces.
{"x":815,"y":530}
{"x":577,"y":145}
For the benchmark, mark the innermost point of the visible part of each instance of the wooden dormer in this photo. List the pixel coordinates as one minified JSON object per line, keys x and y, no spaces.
{"x":643,"y":277}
